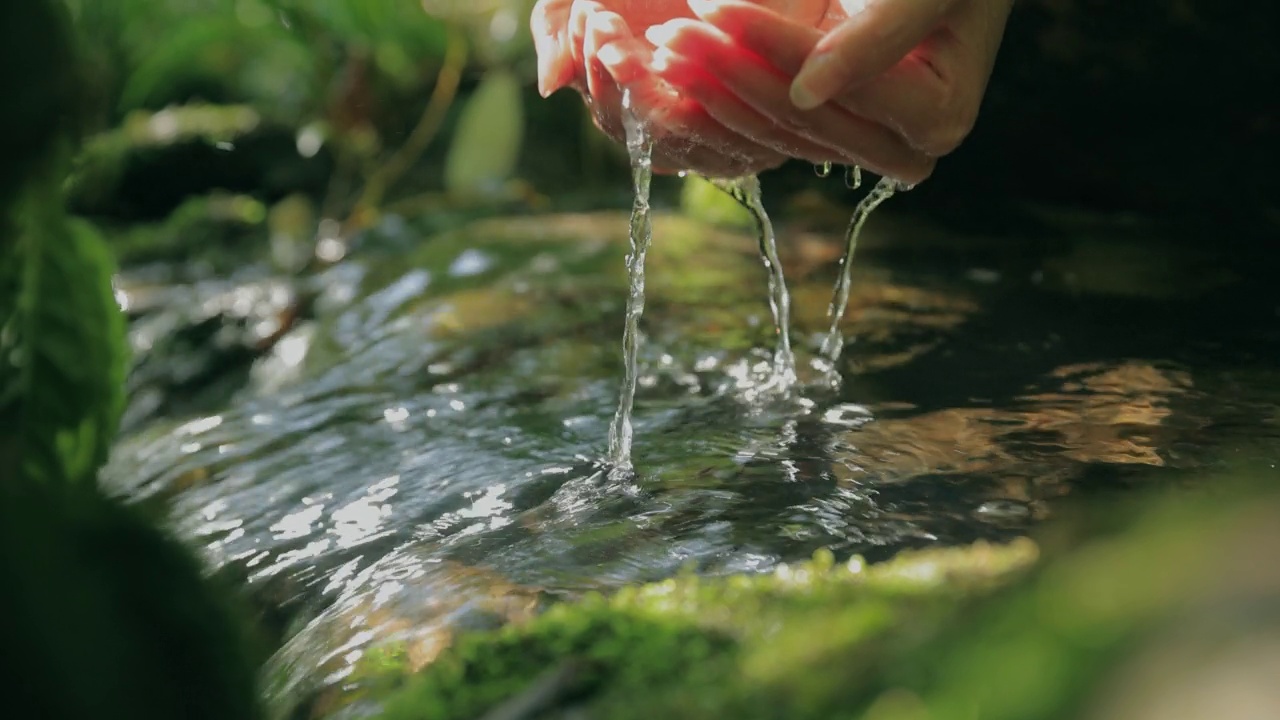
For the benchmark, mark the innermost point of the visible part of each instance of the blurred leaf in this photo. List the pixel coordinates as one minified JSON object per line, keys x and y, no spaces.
{"x":37,"y":84}
{"x":62,"y":345}
{"x":398,"y":34}
{"x":229,"y":61}
{"x":490,"y":132}
{"x":104,"y":616}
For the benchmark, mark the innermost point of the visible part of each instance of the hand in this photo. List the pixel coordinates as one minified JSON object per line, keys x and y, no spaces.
{"x":894,"y":83}
{"x":591,"y":46}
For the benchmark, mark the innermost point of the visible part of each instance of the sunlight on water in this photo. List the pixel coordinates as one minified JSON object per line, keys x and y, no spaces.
{"x":428,"y":457}
{"x":640,"y":145}
{"x":747,"y":192}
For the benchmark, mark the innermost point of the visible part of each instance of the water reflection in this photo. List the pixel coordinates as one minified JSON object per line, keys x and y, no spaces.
{"x":420,"y":454}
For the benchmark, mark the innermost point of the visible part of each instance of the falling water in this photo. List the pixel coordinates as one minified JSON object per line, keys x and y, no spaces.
{"x":834,"y":341}
{"x":640,"y":145}
{"x":746,"y":191}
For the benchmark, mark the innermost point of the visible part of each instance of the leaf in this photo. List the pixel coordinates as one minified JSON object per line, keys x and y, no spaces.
{"x":62,"y":345}
{"x":37,"y":82}
{"x":486,"y":145}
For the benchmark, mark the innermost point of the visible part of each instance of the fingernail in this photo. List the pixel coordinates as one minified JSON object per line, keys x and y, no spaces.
{"x":660,"y":35}
{"x":662,"y":58}
{"x":702,"y":8}
{"x":610,"y":56}
{"x":606,"y":24}
{"x":544,"y":70}
{"x":806,"y":89}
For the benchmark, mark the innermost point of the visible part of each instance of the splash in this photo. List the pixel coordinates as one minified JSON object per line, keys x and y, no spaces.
{"x":833,"y":343}
{"x":746,"y":191}
{"x":640,"y":146}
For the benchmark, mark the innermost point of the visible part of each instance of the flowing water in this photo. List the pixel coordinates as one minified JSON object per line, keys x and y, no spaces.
{"x":747,"y":192}
{"x":640,"y":147}
{"x":407,"y":441}
{"x":833,"y":343}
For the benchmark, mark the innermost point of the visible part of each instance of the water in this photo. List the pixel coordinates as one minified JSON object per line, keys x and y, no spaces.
{"x":853,"y":177}
{"x":417,"y":449}
{"x":747,"y":192}
{"x":640,"y":146}
{"x":833,"y":343}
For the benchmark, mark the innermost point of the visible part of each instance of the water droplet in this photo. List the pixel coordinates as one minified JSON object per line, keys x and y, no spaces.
{"x":853,"y":177}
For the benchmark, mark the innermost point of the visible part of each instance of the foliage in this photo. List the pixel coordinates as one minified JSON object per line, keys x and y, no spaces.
{"x":61,"y":334}
{"x":61,"y":385}
{"x":103,"y":615}
{"x":369,"y":85}
{"x":106,"y":616}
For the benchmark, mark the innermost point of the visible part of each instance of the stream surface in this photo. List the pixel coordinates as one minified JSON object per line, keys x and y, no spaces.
{"x":409,"y":440}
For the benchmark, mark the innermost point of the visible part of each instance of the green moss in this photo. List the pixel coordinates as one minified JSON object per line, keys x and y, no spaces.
{"x":688,"y":646}
{"x":939,"y":634}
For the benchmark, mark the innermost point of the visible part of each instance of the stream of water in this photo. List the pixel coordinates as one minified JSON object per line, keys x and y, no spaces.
{"x":747,"y":192}
{"x":640,"y":146}
{"x":833,"y":343}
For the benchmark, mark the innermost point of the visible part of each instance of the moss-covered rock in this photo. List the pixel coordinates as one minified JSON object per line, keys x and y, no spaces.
{"x":691,"y":647}
{"x":955,"y":633}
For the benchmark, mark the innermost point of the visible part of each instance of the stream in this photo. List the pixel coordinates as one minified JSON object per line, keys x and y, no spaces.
{"x":407,"y":441}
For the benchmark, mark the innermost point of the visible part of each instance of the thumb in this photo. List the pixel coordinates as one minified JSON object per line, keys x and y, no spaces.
{"x":549,"y":25}
{"x":874,"y":36}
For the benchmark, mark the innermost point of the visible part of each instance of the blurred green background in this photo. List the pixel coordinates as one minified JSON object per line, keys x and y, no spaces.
{"x":412,"y":105}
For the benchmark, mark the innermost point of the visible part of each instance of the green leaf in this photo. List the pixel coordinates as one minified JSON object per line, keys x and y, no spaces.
{"x":62,"y":345}
{"x":106,"y":616}
{"x":487,"y":142}
{"x":38,"y":87}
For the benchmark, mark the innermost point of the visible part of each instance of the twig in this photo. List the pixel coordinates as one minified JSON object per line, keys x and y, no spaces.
{"x":442,"y":96}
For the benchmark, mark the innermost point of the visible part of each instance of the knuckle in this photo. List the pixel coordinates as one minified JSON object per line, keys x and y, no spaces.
{"x":945,"y":135}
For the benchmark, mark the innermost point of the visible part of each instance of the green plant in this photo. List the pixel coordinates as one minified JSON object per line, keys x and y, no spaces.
{"x":104,"y":615}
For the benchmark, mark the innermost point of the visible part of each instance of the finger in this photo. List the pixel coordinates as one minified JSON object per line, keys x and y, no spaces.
{"x":604,"y":28}
{"x":674,"y":119}
{"x":579,"y":17}
{"x":781,"y":39}
{"x":911,"y":97}
{"x":694,"y":46}
{"x":689,"y":155}
{"x":865,"y":45}
{"x":549,"y":26}
{"x":736,"y":116}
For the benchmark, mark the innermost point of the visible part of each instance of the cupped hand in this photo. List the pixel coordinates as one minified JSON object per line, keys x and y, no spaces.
{"x":731,"y":87}
{"x":916,"y":68}
{"x":598,"y":48}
